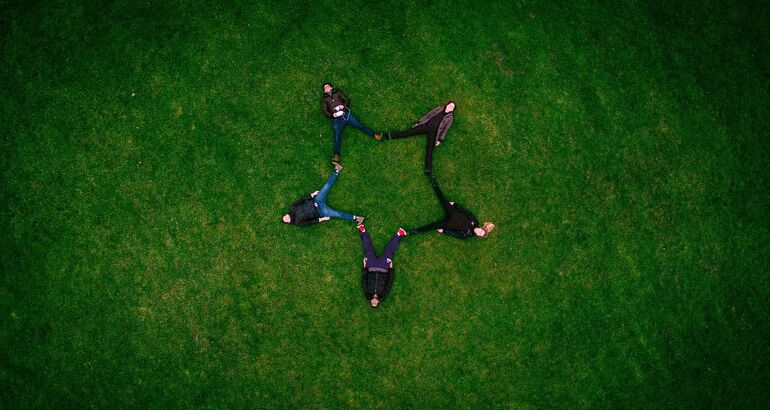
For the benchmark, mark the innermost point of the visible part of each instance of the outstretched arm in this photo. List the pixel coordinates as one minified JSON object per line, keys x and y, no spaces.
{"x":303,"y":199}
{"x":457,"y":234}
{"x":307,"y":222}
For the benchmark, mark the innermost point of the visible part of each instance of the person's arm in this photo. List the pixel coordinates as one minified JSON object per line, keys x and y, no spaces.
{"x":344,"y":99}
{"x":388,"y":283}
{"x":325,"y":109}
{"x":443,"y":128}
{"x":425,"y":118}
{"x":365,"y":283}
{"x":457,"y":234}
{"x":302,"y":200}
{"x":307,"y":222}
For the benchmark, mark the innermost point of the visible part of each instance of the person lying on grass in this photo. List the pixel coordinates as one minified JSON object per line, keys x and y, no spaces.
{"x":377,"y":273}
{"x":459,"y":222}
{"x":336,"y":106}
{"x":312,"y":209}
{"x":434,"y":125}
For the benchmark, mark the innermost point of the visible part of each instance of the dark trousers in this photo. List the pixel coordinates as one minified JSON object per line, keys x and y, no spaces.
{"x":383,"y":261}
{"x":430,"y":142}
{"x":448,"y":210}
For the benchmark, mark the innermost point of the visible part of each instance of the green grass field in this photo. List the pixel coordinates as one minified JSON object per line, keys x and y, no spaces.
{"x":150,"y":149}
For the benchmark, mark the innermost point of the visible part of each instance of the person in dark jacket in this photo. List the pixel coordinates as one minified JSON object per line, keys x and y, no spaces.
{"x":458,"y":222}
{"x":377,"y":273}
{"x":312,"y":209}
{"x":434,"y":125}
{"x":336,"y":106}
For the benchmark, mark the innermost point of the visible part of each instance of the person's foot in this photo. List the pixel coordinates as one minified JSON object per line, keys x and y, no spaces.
{"x":378,"y":137}
{"x":361,"y":228}
{"x":337,"y":167}
{"x":401,"y":232}
{"x":360,"y":220}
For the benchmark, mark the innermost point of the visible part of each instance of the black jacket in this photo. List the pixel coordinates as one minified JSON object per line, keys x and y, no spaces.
{"x":459,"y":223}
{"x":329,"y":101}
{"x":304,"y":212}
{"x":373,"y":282}
{"x":462,"y":223}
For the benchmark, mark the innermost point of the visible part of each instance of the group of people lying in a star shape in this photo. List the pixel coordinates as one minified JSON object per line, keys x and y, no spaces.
{"x":459,"y":222}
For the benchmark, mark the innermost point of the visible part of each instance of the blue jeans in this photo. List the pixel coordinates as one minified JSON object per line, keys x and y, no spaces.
{"x":320,"y":201}
{"x":340,"y":122}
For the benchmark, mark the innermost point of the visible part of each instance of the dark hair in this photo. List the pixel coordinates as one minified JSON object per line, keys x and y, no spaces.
{"x":450,"y":102}
{"x":325,"y":84}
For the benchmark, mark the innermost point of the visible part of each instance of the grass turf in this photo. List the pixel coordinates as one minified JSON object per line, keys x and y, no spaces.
{"x":148,"y":151}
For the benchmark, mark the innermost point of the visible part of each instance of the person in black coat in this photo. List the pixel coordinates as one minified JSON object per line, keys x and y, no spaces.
{"x":458,"y":222}
{"x":377,"y":273}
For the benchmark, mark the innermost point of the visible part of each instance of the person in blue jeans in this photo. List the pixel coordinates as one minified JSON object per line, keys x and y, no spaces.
{"x":336,"y":106}
{"x":313,"y":209}
{"x":377,"y":273}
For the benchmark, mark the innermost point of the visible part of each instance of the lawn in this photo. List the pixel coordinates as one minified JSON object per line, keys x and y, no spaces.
{"x":149,"y":150}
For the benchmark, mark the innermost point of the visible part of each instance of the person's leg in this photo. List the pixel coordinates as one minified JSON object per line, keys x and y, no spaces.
{"x":366,"y":241}
{"x":352,"y":120}
{"x":337,"y":124}
{"x":390,"y":249}
{"x":320,"y":199}
{"x":440,"y":195}
{"x":420,"y":129}
{"x":326,"y":210}
{"x":442,"y":224}
{"x":431,"y":141}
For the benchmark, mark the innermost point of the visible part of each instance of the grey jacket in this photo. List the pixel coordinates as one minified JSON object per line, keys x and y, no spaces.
{"x":445,"y":123}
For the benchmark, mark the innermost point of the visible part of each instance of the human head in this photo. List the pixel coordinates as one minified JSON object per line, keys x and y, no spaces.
{"x":484,"y":230}
{"x":375,"y":301}
{"x":449,"y":106}
{"x":286,"y":219}
{"x":328,"y":87}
